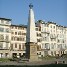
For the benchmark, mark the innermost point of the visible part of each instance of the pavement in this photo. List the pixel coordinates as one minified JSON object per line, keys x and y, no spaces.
{"x":23,"y":63}
{"x":44,"y":62}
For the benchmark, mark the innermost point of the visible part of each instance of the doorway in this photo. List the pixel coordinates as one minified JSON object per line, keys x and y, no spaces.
{"x":14,"y":55}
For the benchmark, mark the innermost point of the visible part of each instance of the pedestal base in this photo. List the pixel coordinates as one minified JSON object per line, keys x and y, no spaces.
{"x":33,"y":58}
{"x":31,"y":51}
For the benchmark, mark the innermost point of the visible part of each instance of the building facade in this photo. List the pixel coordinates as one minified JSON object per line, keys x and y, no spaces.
{"x":51,"y":39}
{"x":54,"y":39}
{"x":18,"y":40}
{"x":5,"y":37}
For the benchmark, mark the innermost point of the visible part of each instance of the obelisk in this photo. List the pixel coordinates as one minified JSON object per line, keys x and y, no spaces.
{"x":31,"y":40}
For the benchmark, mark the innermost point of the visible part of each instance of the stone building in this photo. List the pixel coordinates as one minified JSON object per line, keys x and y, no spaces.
{"x":18,"y":40}
{"x":54,"y":39}
{"x":5,"y":37}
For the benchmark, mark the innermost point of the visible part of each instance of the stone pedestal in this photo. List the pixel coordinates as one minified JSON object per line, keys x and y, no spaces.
{"x":31,"y":51}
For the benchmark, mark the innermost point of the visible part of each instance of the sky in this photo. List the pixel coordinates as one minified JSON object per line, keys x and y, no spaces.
{"x":46,"y":10}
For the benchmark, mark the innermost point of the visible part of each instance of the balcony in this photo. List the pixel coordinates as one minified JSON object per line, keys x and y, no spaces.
{"x":39,"y":35}
{"x":4,"y":40}
{"x":61,"y":48}
{"x":46,"y":32}
{"x":45,"y":48}
{"x":1,"y":40}
{"x":53,"y":36}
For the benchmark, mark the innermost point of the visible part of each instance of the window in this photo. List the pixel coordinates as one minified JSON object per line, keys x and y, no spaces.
{"x":46,"y":46}
{"x":7,"y":30}
{"x":23,"y":39}
{"x":7,"y":37}
{"x":63,"y":41}
{"x":7,"y":22}
{"x":45,"y":25}
{"x":45,"y":39}
{"x":44,"y":29}
{"x":23,"y":33}
{"x":38,"y":47}
{"x":18,"y":39}
{"x":11,"y":46}
{"x":65,"y":46}
{"x":58,"y":45}
{"x":38,"y":40}
{"x":7,"y":45}
{"x":55,"y":52}
{"x":51,"y":39}
{"x":38,"y":34}
{"x":36,"y":29}
{"x":20,"y":54}
{"x":51,"y":30}
{"x":23,"y":28}
{"x":12,"y":38}
{"x":15,"y":33}
{"x":39,"y":28}
{"x":54,"y":27}
{"x":42,"y":38}
{"x":52,"y":53}
{"x":12,"y":32}
{"x":15,"y":38}
{"x":23,"y":46}
{"x":51,"y":26}
{"x":15,"y":45}
{"x":15,"y":27}
{"x":20,"y":28}
{"x":19,"y":46}
{"x":52,"y":46}
{"x":6,"y":55}
{"x":1,"y":37}
{"x":1,"y":29}
{"x":2,"y":21}
{"x":58,"y":41}
{"x":39,"y":53}
{"x":19,"y":33}
{"x":1,"y":45}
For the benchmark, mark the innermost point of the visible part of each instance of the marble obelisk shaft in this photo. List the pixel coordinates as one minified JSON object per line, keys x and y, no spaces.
{"x":31,"y":39}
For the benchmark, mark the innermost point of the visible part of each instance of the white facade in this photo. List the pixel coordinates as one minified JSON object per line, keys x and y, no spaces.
{"x":18,"y":40}
{"x":5,"y":37}
{"x":54,"y":38}
{"x":51,"y":38}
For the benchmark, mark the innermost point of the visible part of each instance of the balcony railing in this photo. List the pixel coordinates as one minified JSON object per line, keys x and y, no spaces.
{"x":46,"y":32}
{"x":53,"y":36}
{"x":4,"y":40}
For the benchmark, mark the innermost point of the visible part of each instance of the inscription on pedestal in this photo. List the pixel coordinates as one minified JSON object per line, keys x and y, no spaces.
{"x":33,"y":49}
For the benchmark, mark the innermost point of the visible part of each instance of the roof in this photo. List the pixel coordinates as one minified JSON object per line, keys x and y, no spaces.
{"x":19,"y":25}
{"x":49,"y":22}
{"x":5,"y":19}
